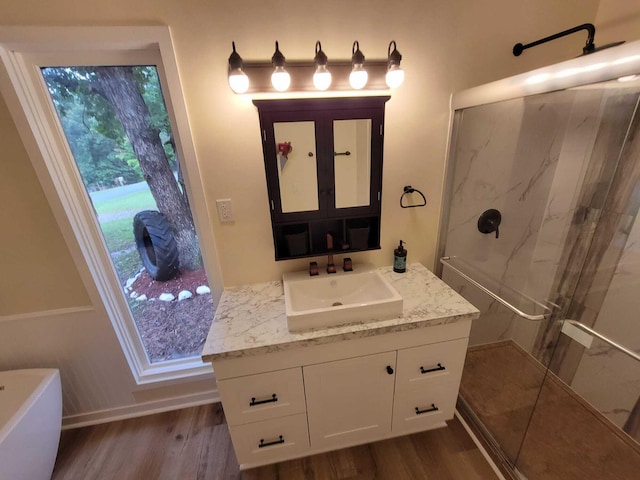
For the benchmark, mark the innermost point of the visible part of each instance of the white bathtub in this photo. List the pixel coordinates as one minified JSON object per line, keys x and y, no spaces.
{"x":30,"y":420}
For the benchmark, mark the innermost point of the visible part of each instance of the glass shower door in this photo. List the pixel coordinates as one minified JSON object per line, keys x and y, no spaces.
{"x":546,"y":163}
{"x":586,"y":421}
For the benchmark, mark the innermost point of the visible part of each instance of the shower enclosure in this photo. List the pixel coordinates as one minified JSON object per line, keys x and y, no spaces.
{"x":540,"y":233}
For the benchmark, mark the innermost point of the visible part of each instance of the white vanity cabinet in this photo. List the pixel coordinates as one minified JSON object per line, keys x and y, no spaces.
{"x":316,"y":398}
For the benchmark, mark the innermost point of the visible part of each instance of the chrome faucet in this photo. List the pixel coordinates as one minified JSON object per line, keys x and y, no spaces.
{"x":331,"y":268}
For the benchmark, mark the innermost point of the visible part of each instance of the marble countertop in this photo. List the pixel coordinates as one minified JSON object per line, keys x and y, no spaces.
{"x":251,"y":319}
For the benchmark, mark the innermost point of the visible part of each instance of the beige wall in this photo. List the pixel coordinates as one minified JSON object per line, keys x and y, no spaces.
{"x":37,"y":269}
{"x":447,"y":45}
{"x":617,"y":20}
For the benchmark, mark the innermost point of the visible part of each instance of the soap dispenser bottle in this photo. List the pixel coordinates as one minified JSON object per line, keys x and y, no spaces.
{"x":400,"y":259}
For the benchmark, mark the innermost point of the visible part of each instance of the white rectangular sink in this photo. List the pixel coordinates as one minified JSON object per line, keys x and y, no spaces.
{"x":328,"y":300}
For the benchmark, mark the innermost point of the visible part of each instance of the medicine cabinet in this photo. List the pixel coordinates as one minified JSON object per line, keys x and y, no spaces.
{"x":323,"y":164}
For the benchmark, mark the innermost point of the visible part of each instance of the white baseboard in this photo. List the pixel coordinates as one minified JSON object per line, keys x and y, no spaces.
{"x":139,"y":410}
{"x":485,"y":454}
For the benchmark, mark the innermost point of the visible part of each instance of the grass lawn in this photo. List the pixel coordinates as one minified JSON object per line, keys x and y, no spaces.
{"x":142,"y":200}
{"x":118,"y":229}
{"x":118,"y":234}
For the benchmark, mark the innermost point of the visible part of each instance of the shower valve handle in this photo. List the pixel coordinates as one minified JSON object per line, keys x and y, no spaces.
{"x":489,"y":222}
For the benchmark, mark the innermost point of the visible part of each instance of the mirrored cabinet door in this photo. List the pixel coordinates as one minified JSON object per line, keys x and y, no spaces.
{"x":296,"y":161}
{"x":352,"y":162}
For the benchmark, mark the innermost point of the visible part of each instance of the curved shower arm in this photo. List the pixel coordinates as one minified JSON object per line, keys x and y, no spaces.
{"x":518,"y":48}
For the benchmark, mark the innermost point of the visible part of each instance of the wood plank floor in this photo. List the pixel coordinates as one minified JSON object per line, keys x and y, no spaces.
{"x":194,"y":443}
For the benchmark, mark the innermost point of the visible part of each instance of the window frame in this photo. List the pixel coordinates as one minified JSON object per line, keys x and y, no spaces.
{"x":23,"y":50}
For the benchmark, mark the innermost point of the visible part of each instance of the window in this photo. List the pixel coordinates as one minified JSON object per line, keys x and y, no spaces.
{"x":108,"y":122}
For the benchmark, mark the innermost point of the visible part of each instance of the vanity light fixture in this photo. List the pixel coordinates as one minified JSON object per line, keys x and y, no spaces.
{"x":280,"y":78}
{"x":275,"y":75}
{"x":322,"y":76}
{"x":395,"y":74}
{"x":358,"y":77}
{"x":238,"y":80}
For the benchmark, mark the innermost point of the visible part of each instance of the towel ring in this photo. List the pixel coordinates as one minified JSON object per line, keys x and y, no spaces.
{"x":410,"y":189}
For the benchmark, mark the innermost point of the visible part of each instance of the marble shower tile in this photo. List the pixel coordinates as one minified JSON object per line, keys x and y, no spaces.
{"x":604,"y":370}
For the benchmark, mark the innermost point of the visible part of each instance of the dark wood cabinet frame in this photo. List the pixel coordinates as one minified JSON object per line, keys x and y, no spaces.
{"x":303,"y":234}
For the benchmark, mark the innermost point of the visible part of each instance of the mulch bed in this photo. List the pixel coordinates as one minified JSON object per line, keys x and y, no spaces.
{"x":176,"y":329}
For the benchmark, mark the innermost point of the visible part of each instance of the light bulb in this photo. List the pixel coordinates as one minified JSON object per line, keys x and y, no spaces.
{"x":395,"y":76}
{"x":322,"y":78}
{"x":238,"y":81}
{"x":358,"y":77}
{"x":280,"y":79}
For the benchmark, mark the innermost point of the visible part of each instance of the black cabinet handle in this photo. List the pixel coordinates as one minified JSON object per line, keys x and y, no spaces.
{"x":255,"y":402}
{"x":435,"y":369}
{"x":268,"y":444}
{"x":432,"y":409}
{"x":389,"y":370}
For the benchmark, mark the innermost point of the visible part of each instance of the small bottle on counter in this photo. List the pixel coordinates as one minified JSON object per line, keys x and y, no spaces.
{"x":400,"y":259}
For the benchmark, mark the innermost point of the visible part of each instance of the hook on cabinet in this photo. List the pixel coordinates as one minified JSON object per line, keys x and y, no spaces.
{"x":409,"y":189}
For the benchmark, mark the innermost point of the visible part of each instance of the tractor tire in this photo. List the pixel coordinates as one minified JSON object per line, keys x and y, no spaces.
{"x":156,"y":245}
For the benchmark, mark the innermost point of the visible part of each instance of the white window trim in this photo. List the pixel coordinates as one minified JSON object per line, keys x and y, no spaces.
{"x":21,"y":48}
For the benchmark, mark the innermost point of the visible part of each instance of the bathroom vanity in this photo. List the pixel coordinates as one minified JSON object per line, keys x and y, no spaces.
{"x":288,"y":395}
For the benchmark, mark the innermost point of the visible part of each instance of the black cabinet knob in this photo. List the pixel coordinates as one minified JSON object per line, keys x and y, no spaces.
{"x":389,"y":370}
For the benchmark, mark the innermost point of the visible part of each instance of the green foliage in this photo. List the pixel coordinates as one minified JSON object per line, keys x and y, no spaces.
{"x":96,"y":137}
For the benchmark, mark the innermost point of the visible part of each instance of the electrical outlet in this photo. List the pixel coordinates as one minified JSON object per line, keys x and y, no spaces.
{"x":225,"y":213}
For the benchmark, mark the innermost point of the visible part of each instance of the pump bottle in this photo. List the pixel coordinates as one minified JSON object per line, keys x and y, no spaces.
{"x":400,"y":259}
